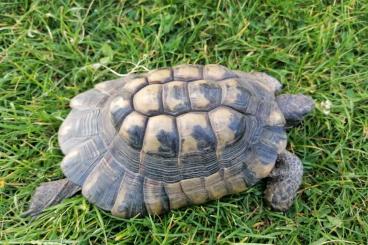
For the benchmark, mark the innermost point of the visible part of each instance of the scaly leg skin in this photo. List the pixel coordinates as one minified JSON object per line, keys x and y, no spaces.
{"x":284,"y":182}
{"x":50,"y":193}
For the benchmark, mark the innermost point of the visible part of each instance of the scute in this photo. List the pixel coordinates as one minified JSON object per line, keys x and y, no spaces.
{"x":148,"y":100}
{"x":120,"y":107}
{"x":161,"y":137}
{"x":228,"y":126}
{"x":150,"y":142}
{"x":175,"y":98}
{"x":162,"y":75}
{"x":101,"y":185}
{"x":235,"y":94}
{"x":195,"y":133}
{"x":217,"y":73}
{"x":187,"y":72}
{"x":204,"y":95}
{"x":133,"y":128}
{"x":134,"y":85}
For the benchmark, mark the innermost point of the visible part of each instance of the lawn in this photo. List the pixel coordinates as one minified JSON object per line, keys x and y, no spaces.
{"x":50,"y":52}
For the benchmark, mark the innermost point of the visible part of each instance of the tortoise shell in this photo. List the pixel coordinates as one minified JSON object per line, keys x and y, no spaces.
{"x":151,"y":142}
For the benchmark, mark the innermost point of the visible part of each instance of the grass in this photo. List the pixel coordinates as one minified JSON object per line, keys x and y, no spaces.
{"x":52,"y":51}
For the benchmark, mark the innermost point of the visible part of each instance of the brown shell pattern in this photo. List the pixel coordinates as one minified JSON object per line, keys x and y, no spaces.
{"x":172,"y":137}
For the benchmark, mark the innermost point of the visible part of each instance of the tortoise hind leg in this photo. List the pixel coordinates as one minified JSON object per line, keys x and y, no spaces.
{"x":284,"y":182}
{"x":50,"y":193}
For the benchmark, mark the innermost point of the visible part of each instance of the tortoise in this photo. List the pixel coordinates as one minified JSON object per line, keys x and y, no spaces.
{"x":172,"y":137}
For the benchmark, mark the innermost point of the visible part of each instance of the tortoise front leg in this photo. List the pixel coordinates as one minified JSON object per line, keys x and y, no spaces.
{"x":50,"y":193}
{"x":284,"y":181}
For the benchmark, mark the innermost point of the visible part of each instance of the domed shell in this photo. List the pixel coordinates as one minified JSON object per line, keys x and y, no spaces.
{"x":148,"y":143}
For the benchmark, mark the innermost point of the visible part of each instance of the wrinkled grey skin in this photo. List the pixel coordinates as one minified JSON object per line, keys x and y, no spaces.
{"x":294,"y":107}
{"x":284,"y":182}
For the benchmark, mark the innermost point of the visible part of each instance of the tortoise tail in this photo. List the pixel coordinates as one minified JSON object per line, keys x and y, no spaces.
{"x":50,"y":193}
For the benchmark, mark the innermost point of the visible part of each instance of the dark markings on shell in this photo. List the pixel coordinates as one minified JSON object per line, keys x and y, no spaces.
{"x":161,"y":102}
{"x":165,"y":197}
{"x":267,"y":154}
{"x":133,"y":129}
{"x":211,"y":91}
{"x":205,"y":138}
{"x":136,"y":134}
{"x":206,"y":95}
{"x":200,"y":158}
{"x":237,"y":126}
{"x":120,"y":107}
{"x":178,"y":92}
{"x":241,"y":98}
{"x":116,"y":176}
{"x":168,"y":143}
{"x":175,"y":98}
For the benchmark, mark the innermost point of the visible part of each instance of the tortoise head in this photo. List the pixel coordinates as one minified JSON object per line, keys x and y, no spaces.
{"x":294,"y":107}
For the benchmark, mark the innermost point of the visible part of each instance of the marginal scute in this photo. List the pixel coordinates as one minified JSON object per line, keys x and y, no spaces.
{"x":258,"y":167}
{"x":177,"y":198}
{"x":155,"y":198}
{"x":80,"y":161}
{"x":194,"y":190}
{"x":188,"y":72}
{"x":148,"y":100}
{"x":162,"y":75}
{"x":89,"y":100}
{"x":234,"y":179}
{"x":133,"y":85}
{"x":103,"y":182}
{"x":217,"y":72}
{"x":111,"y":87}
{"x":79,"y":127}
{"x":215,"y":186}
{"x":204,"y":95}
{"x":271,"y":84}
{"x":130,"y":201}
